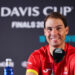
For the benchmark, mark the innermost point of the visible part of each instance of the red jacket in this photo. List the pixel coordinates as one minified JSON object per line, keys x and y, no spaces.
{"x":41,"y":62}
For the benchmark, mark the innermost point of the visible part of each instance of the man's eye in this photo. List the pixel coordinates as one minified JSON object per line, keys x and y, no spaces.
{"x":50,"y":29}
{"x":58,"y":28}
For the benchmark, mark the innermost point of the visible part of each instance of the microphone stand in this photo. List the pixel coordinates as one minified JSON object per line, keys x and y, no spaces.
{"x":53,"y":69}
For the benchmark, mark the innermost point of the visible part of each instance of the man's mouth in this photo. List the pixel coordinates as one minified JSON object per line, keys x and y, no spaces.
{"x":54,"y":38}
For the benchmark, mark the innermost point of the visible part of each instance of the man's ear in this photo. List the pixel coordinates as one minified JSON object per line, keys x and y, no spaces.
{"x":67,"y":30}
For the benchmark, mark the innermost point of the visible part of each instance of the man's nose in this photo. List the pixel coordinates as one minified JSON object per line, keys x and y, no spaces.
{"x":54,"y":32}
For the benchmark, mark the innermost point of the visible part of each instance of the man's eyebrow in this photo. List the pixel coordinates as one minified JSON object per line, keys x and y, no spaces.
{"x":56,"y":26}
{"x":59,"y":25}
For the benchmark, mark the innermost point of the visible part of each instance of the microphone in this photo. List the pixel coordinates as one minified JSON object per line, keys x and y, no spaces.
{"x":58,"y":55}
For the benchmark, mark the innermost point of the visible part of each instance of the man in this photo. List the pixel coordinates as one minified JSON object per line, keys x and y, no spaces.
{"x":41,"y":61}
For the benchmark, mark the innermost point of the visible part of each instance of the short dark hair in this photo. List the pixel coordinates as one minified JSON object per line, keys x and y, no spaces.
{"x":56,"y":15}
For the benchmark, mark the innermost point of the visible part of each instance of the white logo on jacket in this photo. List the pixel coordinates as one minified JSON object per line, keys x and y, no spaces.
{"x":46,"y":70}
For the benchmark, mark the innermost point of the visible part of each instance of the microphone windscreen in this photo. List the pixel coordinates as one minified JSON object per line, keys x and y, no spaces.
{"x":58,"y":54}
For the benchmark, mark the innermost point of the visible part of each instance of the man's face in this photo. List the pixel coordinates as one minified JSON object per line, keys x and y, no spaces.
{"x":55,"y":32}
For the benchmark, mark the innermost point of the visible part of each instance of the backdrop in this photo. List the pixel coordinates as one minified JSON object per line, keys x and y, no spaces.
{"x":21,"y":28}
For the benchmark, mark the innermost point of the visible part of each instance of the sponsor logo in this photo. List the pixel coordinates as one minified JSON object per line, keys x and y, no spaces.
{"x":46,"y":70}
{"x":58,"y":51}
{"x":3,"y":64}
{"x":68,"y":38}
{"x":24,"y":64}
{"x":33,"y":11}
